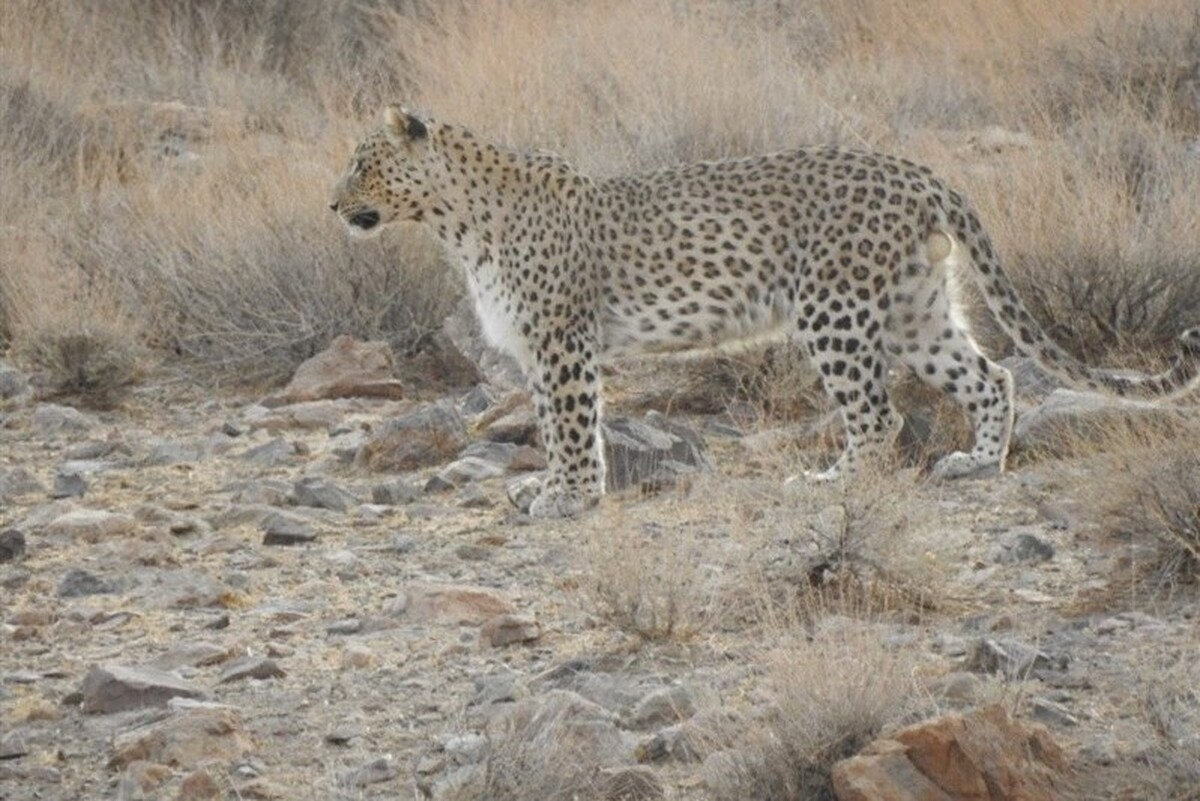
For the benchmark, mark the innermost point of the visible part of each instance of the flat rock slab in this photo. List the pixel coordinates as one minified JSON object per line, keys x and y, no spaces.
{"x":651,"y":453}
{"x":118,"y":688}
{"x":90,"y":525}
{"x":348,"y":368}
{"x":449,"y":603}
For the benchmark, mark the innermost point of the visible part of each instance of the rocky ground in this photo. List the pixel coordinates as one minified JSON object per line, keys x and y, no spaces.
{"x":313,"y":597}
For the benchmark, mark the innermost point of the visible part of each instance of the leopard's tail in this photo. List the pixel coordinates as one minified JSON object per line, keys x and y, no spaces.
{"x":952,"y":217}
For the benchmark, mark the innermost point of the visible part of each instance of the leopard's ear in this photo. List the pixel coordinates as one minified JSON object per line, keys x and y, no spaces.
{"x":402,"y":124}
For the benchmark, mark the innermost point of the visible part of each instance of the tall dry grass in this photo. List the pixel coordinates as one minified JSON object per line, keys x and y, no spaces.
{"x":203,"y":223}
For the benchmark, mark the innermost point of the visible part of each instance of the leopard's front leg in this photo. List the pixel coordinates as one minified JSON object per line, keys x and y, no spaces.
{"x":566,"y":394}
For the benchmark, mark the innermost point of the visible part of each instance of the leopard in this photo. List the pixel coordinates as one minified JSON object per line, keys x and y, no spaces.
{"x":857,"y":256}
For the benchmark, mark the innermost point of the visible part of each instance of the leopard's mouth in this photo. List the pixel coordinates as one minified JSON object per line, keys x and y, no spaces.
{"x":364,"y":220}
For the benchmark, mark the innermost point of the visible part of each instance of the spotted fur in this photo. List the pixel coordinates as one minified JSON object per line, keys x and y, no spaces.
{"x":852,"y":254}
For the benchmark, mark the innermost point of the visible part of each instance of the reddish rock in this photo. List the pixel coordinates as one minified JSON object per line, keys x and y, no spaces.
{"x":187,"y":739}
{"x":981,"y":756}
{"x":450,"y":603}
{"x":346,"y":369}
{"x":430,"y":435}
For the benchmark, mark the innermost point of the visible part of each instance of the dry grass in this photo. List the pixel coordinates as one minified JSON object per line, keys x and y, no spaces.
{"x":213,"y":238}
{"x":1147,"y":493}
{"x":822,"y":701}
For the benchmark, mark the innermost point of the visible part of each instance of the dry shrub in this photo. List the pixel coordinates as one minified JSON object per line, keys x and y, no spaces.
{"x":72,"y":330}
{"x":646,"y":579}
{"x":871,"y":543}
{"x":1171,"y":703}
{"x":1149,"y":492}
{"x":822,"y":701}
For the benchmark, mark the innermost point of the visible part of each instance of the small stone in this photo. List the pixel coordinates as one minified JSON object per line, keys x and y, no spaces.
{"x":343,"y":733}
{"x":507,"y":629}
{"x":518,"y":427}
{"x":13,"y":744}
{"x":192,"y":654}
{"x":437,"y":484}
{"x":478,"y":400}
{"x":637,"y":783}
{"x":232,"y":428}
{"x":348,"y":368}
{"x":281,"y":529}
{"x":357,"y":655}
{"x":663,"y":706}
{"x":472,"y":552}
{"x":69,"y":485}
{"x":77,"y":583}
{"x":377,"y":770}
{"x":199,"y":786}
{"x":251,"y":667}
{"x":350,"y":625}
{"x":117,"y":688}
{"x":1025,"y":547}
{"x":403,"y":543}
{"x":1053,"y":713}
{"x":12,"y":545}
{"x":523,"y":491}
{"x":469,"y":469}
{"x":322,"y":494}
{"x":1112,"y":625}
{"x":394,"y":493}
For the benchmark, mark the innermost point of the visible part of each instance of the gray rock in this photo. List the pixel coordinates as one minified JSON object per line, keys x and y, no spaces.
{"x":12,"y":545}
{"x":69,"y":485}
{"x":281,"y":529}
{"x":478,"y":400}
{"x":394,"y":493}
{"x":12,"y":382}
{"x":663,"y":706}
{"x":403,"y":543}
{"x":15,"y":481}
{"x":345,"y":446}
{"x":51,"y":419}
{"x":232,"y":428}
{"x":523,"y":491}
{"x":467,"y":470}
{"x":251,"y":667}
{"x":166,"y":452}
{"x":90,"y":525}
{"x":651,"y":454}
{"x":321,"y":493}
{"x":1024,"y":547}
{"x":1011,"y":658}
{"x":274,"y":452}
{"x":378,"y":770}
{"x":1070,"y":412}
{"x":14,"y":744}
{"x":76,"y":583}
{"x":117,"y":688}
{"x":422,"y":438}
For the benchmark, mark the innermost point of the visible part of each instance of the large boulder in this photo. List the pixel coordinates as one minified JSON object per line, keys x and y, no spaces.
{"x":346,"y":369}
{"x":981,"y":756}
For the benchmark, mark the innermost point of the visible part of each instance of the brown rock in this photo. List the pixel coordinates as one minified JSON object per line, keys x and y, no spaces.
{"x":117,"y":688}
{"x":199,"y":786}
{"x":346,"y":369}
{"x":186,"y":739}
{"x":982,"y":756}
{"x":450,"y":603}
{"x":428,"y":436}
{"x":508,"y":629}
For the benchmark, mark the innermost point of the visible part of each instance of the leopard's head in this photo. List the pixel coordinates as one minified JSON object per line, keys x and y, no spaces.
{"x":388,"y":178}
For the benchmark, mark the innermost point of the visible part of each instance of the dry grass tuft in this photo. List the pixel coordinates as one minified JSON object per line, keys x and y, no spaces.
{"x":822,"y":701}
{"x":647,"y":579}
{"x":1150,"y":496}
